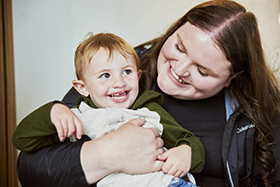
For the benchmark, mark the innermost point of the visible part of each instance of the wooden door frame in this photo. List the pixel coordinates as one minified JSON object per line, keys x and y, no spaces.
{"x":8,"y":156}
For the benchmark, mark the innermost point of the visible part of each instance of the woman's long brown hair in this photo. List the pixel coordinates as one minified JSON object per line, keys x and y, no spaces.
{"x":255,"y":87}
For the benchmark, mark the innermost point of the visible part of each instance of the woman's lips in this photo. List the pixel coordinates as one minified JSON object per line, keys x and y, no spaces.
{"x":176,"y":76}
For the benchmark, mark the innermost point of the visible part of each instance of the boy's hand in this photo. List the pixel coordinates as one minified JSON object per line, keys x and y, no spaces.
{"x":177,"y":160}
{"x":65,"y":122}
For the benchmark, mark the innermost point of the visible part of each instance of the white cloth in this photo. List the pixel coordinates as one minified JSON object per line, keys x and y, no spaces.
{"x":98,"y":122}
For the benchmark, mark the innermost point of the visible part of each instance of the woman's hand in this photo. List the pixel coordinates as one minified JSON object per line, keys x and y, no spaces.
{"x":65,"y":122}
{"x":130,"y":149}
{"x":177,"y":160}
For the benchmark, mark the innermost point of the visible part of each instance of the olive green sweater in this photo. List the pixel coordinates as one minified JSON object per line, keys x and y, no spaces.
{"x":36,"y":130}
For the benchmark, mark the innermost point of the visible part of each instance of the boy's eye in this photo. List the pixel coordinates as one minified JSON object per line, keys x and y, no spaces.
{"x":105,"y":75}
{"x":127,"y":71}
{"x":179,"y":49}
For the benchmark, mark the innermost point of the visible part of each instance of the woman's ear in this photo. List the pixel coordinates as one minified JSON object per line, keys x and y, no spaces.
{"x":139,"y":73}
{"x":232,"y":77}
{"x":81,"y":87}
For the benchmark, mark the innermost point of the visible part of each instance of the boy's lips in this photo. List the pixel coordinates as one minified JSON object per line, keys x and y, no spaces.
{"x":119,"y":97}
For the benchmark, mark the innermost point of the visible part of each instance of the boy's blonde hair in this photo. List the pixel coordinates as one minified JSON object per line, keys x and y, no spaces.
{"x":87,"y":49}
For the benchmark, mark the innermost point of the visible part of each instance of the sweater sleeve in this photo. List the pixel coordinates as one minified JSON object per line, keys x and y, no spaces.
{"x":175,"y":135}
{"x":36,"y":130}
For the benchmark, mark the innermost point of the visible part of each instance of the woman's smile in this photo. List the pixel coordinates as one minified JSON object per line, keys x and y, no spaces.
{"x":174,"y":75}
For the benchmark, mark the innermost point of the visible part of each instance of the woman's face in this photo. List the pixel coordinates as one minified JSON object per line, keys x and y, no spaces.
{"x":191,"y":66}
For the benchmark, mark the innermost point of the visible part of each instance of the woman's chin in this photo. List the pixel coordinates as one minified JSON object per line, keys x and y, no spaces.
{"x":167,"y":87}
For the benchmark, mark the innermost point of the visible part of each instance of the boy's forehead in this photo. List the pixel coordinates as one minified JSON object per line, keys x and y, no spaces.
{"x":105,"y":55}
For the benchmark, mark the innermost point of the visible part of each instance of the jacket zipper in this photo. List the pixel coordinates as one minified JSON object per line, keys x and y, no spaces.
{"x":229,"y":175}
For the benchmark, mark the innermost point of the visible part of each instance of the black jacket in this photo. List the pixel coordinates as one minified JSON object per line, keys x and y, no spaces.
{"x":238,"y":151}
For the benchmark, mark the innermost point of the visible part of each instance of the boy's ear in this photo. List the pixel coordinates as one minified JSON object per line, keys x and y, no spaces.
{"x":80,"y":86}
{"x":139,"y":73}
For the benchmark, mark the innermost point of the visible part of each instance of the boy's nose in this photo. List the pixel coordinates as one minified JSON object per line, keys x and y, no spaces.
{"x":118,"y":82}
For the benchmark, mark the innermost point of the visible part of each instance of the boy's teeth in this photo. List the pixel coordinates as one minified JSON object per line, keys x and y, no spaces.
{"x":176,"y":76}
{"x":118,"y":95}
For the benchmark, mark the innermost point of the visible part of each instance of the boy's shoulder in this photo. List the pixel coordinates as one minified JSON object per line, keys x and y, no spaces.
{"x":147,"y":96}
{"x":150,"y":93}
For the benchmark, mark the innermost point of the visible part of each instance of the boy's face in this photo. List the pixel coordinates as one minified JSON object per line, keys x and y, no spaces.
{"x":112,"y":82}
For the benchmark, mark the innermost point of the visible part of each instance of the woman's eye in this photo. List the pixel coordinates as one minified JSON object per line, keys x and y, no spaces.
{"x":201,"y":72}
{"x":179,"y":49}
{"x":127,"y":71}
{"x":105,"y":75}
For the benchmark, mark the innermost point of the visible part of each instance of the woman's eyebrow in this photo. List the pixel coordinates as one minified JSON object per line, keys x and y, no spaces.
{"x":209,"y":70}
{"x":182,"y":43}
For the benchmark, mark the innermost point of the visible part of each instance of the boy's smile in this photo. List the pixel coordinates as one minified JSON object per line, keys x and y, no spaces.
{"x":120,"y":96}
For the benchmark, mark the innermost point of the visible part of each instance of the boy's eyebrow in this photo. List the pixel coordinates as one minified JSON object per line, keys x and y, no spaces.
{"x":129,"y":65}
{"x":209,"y":70}
{"x":102,"y":70}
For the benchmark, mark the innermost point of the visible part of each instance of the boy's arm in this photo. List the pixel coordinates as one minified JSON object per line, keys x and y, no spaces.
{"x":175,"y":135}
{"x":36,"y":130}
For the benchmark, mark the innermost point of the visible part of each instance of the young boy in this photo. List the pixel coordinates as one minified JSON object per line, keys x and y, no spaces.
{"x":107,"y":70}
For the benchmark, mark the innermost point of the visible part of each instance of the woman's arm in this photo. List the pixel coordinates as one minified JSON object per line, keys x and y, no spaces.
{"x":52,"y":166}
{"x":130,"y":149}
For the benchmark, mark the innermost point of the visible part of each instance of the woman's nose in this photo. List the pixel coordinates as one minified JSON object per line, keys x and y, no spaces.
{"x":182,"y":68}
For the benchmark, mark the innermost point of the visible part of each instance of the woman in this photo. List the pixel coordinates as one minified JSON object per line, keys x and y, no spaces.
{"x":189,"y":68}
{"x":211,"y":70}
